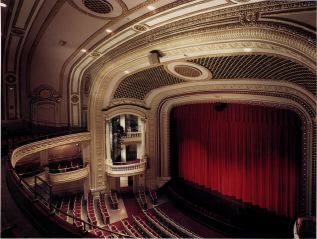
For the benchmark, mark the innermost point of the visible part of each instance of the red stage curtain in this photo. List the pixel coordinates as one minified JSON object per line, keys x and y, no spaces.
{"x":252,"y":153}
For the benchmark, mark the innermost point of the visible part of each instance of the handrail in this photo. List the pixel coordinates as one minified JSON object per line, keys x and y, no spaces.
{"x":50,"y":206}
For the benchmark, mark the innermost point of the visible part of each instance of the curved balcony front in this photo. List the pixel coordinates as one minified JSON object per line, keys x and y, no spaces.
{"x":131,"y":137}
{"x":65,"y":177}
{"x":126,"y":169}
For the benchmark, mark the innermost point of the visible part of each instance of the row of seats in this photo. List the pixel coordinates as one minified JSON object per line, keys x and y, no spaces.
{"x":114,"y":199}
{"x":104,"y":209}
{"x":153,"y":196}
{"x":77,"y":210}
{"x":182,"y":231}
{"x":131,"y":229}
{"x":142,"y":198}
{"x":65,"y":207}
{"x":91,"y":210}
{"x":160,"y":226}
{"x":145,"y":227}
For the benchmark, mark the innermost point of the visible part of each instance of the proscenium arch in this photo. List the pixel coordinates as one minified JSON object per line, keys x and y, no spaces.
{"x":273,"y":95}
{"x":211,"y":42}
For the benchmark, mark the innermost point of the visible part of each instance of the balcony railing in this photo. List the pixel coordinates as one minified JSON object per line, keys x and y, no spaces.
{"x":130,"y":137}
{"x":125,"y":170}
{"x":64,"y":177}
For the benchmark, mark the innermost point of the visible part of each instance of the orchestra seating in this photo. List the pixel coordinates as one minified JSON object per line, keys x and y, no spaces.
{"x":91,"y":210}
{"x":104,"y":209}
{"x":177,"y":228}
{"x":153,"y":196}
{"x":77,"y":210}
{"x":150,"y":232}
{"x":142,"y":199}
{"x":131,"y":230}
{"x":114,"y":199}
{"x":165,"y":230}
{"x":64,"y":207}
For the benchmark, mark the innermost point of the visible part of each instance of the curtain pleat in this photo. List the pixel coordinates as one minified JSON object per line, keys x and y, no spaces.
{"x":249,"y":152}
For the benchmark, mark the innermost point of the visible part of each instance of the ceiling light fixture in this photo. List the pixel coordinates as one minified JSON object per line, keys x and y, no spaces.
{"x":83,"y":50}
{"x":108,"y":30}
{"x":3,"y":4}
{"x":150,"y":7}
{"x":127,"y":72}
{"x":247,"y":49}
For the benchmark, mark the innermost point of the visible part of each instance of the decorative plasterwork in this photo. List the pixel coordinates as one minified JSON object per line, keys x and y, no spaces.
{"x":188,"y":71}
{"x":14,"y":37}
{"x":224,"y":22}
{"x":125,"y":170}
{"x":38,"y":146}
{"x":210,"y":41}
{"x":56,"y":178}
{"x":45,"y":93}
{"x":269,"y":94}
{"x":259,"y":40}
{"x":125,"y":109}
{"x":139,"y":84}
{"x":246,"y":66}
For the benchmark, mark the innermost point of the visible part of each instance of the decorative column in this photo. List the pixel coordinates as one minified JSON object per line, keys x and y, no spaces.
{"x":123,"y":147}
{"x":108,"y":145}
{"x":143,"y":131}
{"x":123,"y":153}
{"x":85,"y":152}
{"x":86,"y":187}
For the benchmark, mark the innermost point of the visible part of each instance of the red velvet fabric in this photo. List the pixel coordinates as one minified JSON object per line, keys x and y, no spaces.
{"x":252,"y":153}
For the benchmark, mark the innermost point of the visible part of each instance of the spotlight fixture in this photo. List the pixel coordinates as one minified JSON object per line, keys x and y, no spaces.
{"x":127,"y":72}
{"x":219,"y":106}
{"x":108,"y":30}
{"x":83,"y":50}
{"x":150,"y":7}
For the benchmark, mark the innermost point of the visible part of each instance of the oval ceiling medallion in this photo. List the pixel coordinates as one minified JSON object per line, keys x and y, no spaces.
{"x":98,"y":6}
{"x":188,"y":71}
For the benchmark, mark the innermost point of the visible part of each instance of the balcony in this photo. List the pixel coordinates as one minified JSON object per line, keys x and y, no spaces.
{"x":131,"y":137}
{"x":124,"y":170}
{"x":64,"y":177}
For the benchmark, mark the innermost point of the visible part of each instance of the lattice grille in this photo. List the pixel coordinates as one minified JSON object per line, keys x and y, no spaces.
{"x":262,"y":67}
{"x":259,"y":67}
{"x":140,"y":83}
{"x":98,"y":6}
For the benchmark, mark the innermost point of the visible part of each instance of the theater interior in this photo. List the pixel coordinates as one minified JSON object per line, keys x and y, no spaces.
{"x":158,"y":118}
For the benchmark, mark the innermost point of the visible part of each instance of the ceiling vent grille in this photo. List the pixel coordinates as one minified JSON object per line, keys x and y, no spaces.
{"x":98,"y":6}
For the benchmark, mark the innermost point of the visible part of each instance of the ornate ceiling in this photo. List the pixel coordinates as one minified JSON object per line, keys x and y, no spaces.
{"x":249,"y":66}
{"x":62,"y":47}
